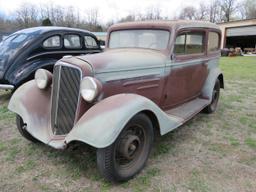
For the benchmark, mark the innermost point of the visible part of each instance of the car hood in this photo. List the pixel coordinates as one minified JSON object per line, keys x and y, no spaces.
{"x":124,"y":59}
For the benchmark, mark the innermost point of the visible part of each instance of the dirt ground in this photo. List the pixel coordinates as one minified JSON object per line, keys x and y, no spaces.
{"x":214,"y":152}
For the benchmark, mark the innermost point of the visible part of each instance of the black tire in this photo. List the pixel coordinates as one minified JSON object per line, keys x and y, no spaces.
{"x":215,"y":98}
{"x":128,"y":155}
{"x":22,"y":129}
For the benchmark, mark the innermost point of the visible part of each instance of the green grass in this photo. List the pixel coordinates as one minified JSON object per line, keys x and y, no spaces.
{"x":239,"y":68}
{"x":250,"y":142}
{"x":195,"y":157}
{"x":233,"y":141}
{"x":197,"y":183}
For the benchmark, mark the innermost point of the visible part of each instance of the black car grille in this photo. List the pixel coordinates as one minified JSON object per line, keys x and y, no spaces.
{"x":65,"y":97}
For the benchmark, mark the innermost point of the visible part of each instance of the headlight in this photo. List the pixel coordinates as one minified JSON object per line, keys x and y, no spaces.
{"x":90,"y":88}
{"x":43,"y":78}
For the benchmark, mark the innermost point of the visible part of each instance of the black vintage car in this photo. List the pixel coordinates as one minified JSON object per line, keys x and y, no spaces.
{"x":25,"y":51}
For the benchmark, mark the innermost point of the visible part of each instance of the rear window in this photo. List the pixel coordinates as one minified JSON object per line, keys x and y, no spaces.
{"x":189,"y":43}
{"x":15,"y":39}
{"x":213,"y":41}
{"x":52,"y":42}
{"x":90,"y":42}
{"x":72,"y":41}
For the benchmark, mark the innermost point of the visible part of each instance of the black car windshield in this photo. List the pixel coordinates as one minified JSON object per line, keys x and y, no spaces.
{"x":139,"y":38}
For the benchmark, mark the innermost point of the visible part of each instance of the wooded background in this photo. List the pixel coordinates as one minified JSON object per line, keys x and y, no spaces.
{"x":32,"y":15}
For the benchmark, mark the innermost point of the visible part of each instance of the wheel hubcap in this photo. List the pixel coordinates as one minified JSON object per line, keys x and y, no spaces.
{"x":130,"y":146}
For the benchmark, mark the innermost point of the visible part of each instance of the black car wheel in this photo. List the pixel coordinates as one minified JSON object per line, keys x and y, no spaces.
{"x":215,"y":98}
{"x":128,"y":154}
{"x":22,"y":129}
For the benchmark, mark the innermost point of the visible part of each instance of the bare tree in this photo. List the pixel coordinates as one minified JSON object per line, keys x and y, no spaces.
{"x":152,"y":13}
{"x":214,"y":11}
{"x":202,"y":12}
{"x":26,"y":15}
{"x":92,"y":16}
{"x":248,"y":9}
{"x":228,"y":7}
{"x":128,"y":18}
{"x":188,"y":12}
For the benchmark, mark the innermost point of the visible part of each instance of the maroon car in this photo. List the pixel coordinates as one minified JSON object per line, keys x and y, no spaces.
{"x":152,"y":77}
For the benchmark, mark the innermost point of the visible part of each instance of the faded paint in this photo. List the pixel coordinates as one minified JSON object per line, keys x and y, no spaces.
{"x":133,"y":80}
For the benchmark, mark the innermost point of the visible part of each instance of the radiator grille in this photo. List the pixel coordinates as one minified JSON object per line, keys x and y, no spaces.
{"x":65,"y":97}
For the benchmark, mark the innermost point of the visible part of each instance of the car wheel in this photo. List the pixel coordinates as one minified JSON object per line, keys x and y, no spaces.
{"x":215,"y":98}
{"x":127,"y":156}
{"x":22,"y":129}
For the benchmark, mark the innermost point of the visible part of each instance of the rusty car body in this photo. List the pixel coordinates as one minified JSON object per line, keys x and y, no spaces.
{"x":27,"y":50}
{"x":152,"y":75}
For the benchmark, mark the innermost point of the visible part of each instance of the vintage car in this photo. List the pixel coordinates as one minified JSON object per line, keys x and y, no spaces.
{"x":25,"y":51}
{"x":152,"y":77}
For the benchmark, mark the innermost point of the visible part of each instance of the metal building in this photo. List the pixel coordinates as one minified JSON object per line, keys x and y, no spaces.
{"x":240,"y":33}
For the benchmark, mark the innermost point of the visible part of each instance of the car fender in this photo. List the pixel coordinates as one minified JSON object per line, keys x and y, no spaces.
{"x":208,"y":87}
{"x":16,"y":77}
{"x":102,"y":123}
{"x":33,"y":105}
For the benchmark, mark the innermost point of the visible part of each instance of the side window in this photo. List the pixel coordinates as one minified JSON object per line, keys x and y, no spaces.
{"x":179,"y":47}
{"x":90,"y":42}
{"x":213,"y":41}
{"x":189,"y":43}
{"x":52,"y":42}
{"x":194,"y":43}
{"x":72,"y":41}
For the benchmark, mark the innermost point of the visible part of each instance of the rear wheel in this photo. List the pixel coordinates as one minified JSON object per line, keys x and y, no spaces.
{"x":22,"y":129}
{"x":215,"y":98}
{"x":128,"y":154}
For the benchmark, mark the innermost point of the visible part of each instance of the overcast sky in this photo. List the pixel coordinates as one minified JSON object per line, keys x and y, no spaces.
{"x":108,"y":9}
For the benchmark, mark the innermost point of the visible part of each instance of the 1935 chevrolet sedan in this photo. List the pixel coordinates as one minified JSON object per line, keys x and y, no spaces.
{"x":152,"y":77}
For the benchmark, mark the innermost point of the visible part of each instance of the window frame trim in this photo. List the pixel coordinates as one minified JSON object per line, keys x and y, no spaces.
{"x":142,"y":28}
{"x":210,"y":53}
{"x":192,"y":55}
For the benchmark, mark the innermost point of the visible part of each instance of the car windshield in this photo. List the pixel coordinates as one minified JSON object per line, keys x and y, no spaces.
{"x":139,"y":38}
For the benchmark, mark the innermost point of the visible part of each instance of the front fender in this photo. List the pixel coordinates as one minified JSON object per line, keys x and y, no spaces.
{"x":102,"y":123}
{"x":33,"y":105}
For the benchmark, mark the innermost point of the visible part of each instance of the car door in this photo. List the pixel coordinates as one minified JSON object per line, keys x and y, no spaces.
{"x":187,"y":71}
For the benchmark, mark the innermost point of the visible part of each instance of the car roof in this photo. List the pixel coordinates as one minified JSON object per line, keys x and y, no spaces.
{"x":164,"y":24}
{"x":45,"y":29}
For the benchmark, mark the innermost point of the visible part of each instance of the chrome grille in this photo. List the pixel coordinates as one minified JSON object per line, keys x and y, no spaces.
{"x":65,"y":97}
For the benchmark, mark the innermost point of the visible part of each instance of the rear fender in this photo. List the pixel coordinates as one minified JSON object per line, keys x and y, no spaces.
{"x":102,"y":123}
{"x":208,"y":87}
{"x":26,"y":71}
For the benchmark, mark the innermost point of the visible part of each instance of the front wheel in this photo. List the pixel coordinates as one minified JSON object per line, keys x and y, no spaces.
{"x":127,"y":156}
{"x":22,"y":129}
{"x":215,"y":98}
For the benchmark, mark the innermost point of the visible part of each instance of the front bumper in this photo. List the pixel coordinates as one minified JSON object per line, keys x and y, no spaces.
{"x":6,"y":86}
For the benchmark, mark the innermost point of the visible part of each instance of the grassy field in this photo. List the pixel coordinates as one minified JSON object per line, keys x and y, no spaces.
{"x":210,"y":153}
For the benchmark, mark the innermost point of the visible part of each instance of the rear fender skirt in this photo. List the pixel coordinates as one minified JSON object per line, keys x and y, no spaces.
{"x":102,"y":123}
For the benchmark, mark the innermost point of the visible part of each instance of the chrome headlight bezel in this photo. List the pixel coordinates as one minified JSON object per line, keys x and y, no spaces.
{"x":43,"y":78}
{"x":90,"y":88}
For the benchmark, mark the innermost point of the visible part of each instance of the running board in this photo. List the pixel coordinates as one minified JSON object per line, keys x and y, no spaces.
{"x":188,"y":110}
